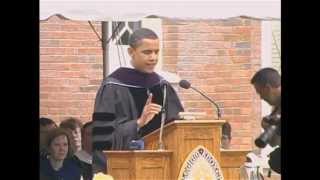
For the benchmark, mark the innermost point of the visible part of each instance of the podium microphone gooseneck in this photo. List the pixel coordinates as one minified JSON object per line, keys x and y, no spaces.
{"x":163,"y":117}
{"x":186,"y":85}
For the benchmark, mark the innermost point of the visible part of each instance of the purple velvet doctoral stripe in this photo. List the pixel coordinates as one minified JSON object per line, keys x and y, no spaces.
{"x":134,"y":77}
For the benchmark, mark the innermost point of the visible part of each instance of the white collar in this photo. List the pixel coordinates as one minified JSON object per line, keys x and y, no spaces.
{"x":84,"y":156}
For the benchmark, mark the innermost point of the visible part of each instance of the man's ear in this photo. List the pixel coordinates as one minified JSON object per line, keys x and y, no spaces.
{"x":131,"y":51}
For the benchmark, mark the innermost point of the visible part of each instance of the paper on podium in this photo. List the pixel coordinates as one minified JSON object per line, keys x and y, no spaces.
{"x":192,"y":115}
{"x":101,"y":176}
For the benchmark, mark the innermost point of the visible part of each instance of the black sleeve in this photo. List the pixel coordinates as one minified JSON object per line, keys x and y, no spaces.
{"x":112,"y":126}
{"x":174,"y":105}
{"x":275,"y":160}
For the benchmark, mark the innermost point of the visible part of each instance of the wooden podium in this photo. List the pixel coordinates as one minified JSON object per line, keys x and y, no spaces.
{"x":180,"y":138}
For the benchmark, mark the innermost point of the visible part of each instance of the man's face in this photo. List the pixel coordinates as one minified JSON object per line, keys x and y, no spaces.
{"x":145,"y":55}
{"x":265,"y":93}
{"x":44,"y":131}
{"x":59,"y":148}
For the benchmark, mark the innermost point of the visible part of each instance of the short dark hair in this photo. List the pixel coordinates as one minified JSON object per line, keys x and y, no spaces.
{"x":71,"y":123}
{"x":143,"y":33}
{"x":86,"y":125}
{"x":226,"y":129}
{"x":267,"y":76}
{"x":46,"y":121}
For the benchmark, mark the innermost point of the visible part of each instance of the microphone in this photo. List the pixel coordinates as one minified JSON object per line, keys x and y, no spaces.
{"x":163,"y":117}
{"x":186,"y":85}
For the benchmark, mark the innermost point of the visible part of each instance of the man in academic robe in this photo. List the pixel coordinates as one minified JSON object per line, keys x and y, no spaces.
{"x":129,"y":102}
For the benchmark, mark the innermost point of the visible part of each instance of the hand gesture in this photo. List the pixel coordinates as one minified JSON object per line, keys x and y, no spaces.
{"x":149,"y":111}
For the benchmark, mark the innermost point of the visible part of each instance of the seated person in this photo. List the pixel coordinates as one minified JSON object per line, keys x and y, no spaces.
{"x":226,"y":136}
{"x":74,"y":126}
{"x":59,"y":163}
{"x":85,"y":154}
{"x":45,"y":125}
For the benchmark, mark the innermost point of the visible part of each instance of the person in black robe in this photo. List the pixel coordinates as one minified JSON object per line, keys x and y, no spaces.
{"x":129,"y":101}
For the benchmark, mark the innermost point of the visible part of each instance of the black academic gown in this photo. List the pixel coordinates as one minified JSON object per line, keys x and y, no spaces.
{"x":119,"y":103}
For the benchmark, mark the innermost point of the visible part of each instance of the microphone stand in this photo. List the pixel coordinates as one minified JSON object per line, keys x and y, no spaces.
{"x":218,"y":109}
{"x":163,"y":117}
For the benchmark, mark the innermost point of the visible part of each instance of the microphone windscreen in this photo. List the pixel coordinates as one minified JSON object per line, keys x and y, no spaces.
{"x":184,"y":84}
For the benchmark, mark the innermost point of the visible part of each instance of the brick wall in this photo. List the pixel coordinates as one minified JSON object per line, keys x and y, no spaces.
{"x":219,"y":57}
{"x":70,"y":68}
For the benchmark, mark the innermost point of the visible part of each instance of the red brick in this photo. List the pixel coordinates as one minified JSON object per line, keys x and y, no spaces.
{"x":246,"y":140}
{"x":87,"y":51}
{"x":207,"y":89}
{"x":243,"y":37}
{"x":78,"y":27}
{"x":230,"y":103}
{"x":170,"y":60}
{"x":50,"y":27}
{"x":68,"y":88}
{"x":170,"y":37}
{"x":90,"y":59}
{"x":95,"y":43}
{"x":55,"y":111}
{"x":44,"y":95}
{"x":232,"y":37}
{"x":188,"y":67}
{"x":245,"y":111}
{"x":236,"y":140}
{"x":170,"y":68}
{"x":239,"y":73}
{"x":48,"y":73}
{"x":68,"y":35}
{"x":222,"y":29}
{"x":223,"y":88}
{"x":190,"y":97}
{"x":170,"y":52}
{"x":222,"y":74}
{"x":170,"y":44}
{"x":44,"y":111}
{"x":245,"y":104}
{"x":54,"y":66}
{"x":191,"y":104}
{"x":215,"y":81}
{"x":46,"y":59}
{"x":170,"y":29}
{"x":49,"y":43}
{"x":242,"y":88}
{"x":243,"y":52}
{"x":216,"y":36}
{"x":46,"y":88}
{"x":195,"y":59}
{"x":227,"y":111}
{"x":238,"y":81}
{"x":57,"y":51}
{"x":232,"y":96}
{"x":242,"y":29}
{"x":240,"y":60}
